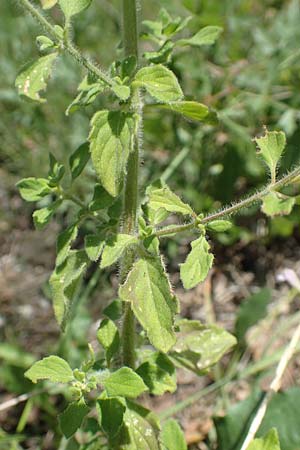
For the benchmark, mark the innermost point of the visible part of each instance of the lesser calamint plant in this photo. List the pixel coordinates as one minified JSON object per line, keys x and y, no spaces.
{"x":127,"y":231}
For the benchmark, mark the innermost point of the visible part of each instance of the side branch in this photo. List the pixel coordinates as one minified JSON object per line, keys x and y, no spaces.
{"x":233,"y":209}
{"x":65,"y":45}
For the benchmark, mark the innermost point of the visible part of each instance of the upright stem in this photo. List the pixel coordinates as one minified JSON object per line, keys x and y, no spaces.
{"x":130,"y":37}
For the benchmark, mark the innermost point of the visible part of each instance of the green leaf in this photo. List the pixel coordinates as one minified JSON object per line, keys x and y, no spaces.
{"x":56,"y":170}
{"x":85,"y":98}
{"x":271,"y":147}
{"x":192,"y":110}
{"x":71,"y":418}
{"x":148,"y":289}
{"x":158,"y":373}
{"x":33,"y":189}
{"x":269,"y":442}
{"x":114,"y":310}
{"x":200,"y":346}
{"x":111,"y":413}
{"x":196,"y":266}
{"x":79,"y":159}
{"x":115,"y":247}
{"x":219,"y":226}
{"x":63,"y":283}
{"x":251,"y":311}
{"x":44,"y":43}
{"x":71,"y":8}
{"x":64,"y":242}
{"x":108,"y":337}
{"x":33,"y":78}
{"x":124,"y":383}
{"x":282,"y":413}
{"x":101,"y":199}
{"x":41,"y":217}
{"x":52,"y":368}
{"x":94,"y":244}
{"x":164,"y":198}
{"x":206,"y":36}
{"x":111,"y":143}
{"x":276,"y":204}
{"x":121,"y":91}
{"x":159,"y":82}
{"x":162,"y":55}
{"x":139,"y":431}
{"x":172,"y":436}
{"x":48,"y":4}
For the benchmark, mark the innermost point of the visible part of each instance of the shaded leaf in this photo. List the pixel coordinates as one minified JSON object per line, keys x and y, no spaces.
{"x":282,"y":414}
{"x":115,"y":247}
{"x":64,"y":242}
{"x":63,"y":283}
{"x":111,"y":413}
{"x":79,"y":159}
{"x":108,"y":337}
{"x":71,"y":418}
{"x":101,"y":199}
{"x":158,"y":373}
{"x":94,"y":244}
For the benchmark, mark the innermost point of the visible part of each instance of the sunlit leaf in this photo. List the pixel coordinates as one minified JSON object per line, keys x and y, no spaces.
{"x":33,"y":78}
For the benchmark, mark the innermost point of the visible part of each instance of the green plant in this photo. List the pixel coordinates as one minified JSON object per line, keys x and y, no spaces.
{"x":127,"y":231}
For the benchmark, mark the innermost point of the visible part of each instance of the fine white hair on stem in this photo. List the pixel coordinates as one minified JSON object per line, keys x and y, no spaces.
{"x":273,"y":388}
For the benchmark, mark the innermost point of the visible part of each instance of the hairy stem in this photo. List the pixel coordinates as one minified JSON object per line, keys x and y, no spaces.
{"x":65,"y":45}
{"x":233,"y":209}
{"x":131,"y":185}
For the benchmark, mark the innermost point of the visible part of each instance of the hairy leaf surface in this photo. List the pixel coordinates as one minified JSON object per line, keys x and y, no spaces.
{"x":196,"y":267}
{"x":276,"y":204}
{"x":51,"y":368}
{"x":125,"y":383}
{"x":33,"y":78}
{"x":159,"y":82}
{"x":111,"y":143}
{"x":72,"y":7}
{"x":147,"y":288}
{"x":271,"y":147}
{"x":63,"y":283}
